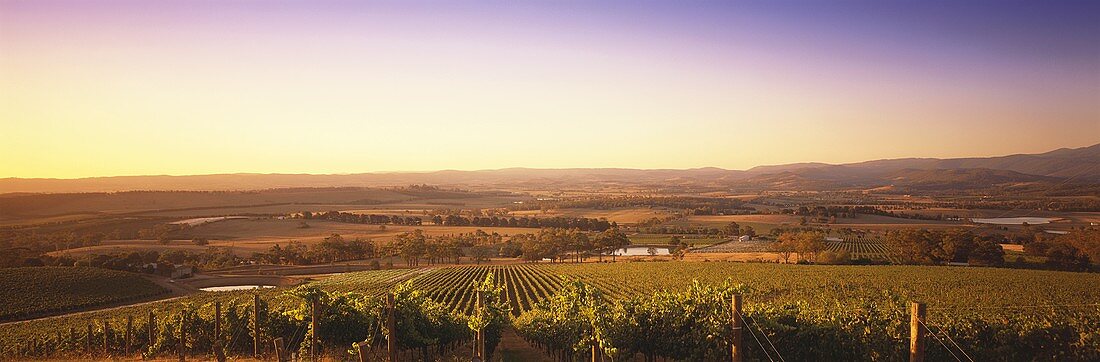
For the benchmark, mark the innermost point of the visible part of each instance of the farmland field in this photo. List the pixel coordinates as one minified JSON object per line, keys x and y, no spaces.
{"x":865,"y":248}
{"x":30,"y":292}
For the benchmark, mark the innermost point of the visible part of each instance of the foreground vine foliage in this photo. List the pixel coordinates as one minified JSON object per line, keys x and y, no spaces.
{"x":695,"y":325}
{"x":676,"y":310}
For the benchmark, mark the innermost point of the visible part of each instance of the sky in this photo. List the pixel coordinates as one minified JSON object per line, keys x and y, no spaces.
{"x":105,"y":88}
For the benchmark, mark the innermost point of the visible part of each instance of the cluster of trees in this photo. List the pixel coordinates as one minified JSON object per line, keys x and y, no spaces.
{"x":416,"y":246}
{"x":1074,"y":251}
{"x":935,"y":247}
{"x":360,"y":218}
{"x":557,"y":244}
{"x":150,"y":262}
{"x":734,"y":229}
{"x":829,"y":214}
{"x":807,"y":245}
{"x":334,"y":248}
{"x":683,"y":230}
{"x":580,"y":223}
{"x":25,"y":247}
{"x":697,"y":205}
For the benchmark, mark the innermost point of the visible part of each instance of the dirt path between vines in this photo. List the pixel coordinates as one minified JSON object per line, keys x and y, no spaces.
{"x":513,"y":348}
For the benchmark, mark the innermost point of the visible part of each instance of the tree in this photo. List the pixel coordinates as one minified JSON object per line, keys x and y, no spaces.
{"x":786,"y":245}
{"x":732,"y":229}
{"x":986,"y":253}
{"x":411,"y":246}
{"x":810,"y":243}
{"x":749,"y":231}
{"x":611,"y":239}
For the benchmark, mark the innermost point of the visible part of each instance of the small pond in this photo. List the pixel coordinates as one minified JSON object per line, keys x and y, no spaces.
{"x":640,"y":251}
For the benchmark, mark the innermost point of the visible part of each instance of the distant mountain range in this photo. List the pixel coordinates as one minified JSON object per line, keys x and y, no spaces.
{"x":1077,"y":165}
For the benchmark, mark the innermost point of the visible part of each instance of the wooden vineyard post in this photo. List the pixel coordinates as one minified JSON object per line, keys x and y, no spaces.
{"x":479,"y":342}
{"x":88,"y":339}
{"x":391,"y":327}
{"x":217,"y":321}
{"x":129,"y":333}
{"x":361,"y":347}
{"x":737,"y":348}
{"x":256,"y":325}
{"x":916,"y":332}
{"x":219,"y":352}
{"x":183,"y":338}
{"x":279,"y":349}
{"x":313,"y":329}
{"x":152,"y":326}
{"x":106,"y":338}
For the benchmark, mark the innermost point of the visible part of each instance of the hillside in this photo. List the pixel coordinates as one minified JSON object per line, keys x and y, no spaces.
{"x":1077,"y":165}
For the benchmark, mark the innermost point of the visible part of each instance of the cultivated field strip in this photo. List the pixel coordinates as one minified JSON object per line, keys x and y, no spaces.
{"x":525,"y":285}
{"x":865,"y":248}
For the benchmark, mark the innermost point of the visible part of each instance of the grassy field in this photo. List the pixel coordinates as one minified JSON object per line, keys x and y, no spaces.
{"x":30,"y":292}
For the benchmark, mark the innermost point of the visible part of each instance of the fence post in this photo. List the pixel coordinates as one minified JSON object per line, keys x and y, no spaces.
{"x":362,"y":348}
{"x":152,"y":329}
{"x":88,"y":340}
{"x":217,"y":320}
{"x":313,"y":330}
{"x":106,"y":338}
{"x":256,"y":325}
{"x":129,"y":333}
{"x":219,"y":353}
{"x":279,"y":349}
{"x":183,"y":337}
{"x":737,"y":348}
{"x":916,"y":331}
{"x":480,"y":338}
{"x":391,"y":327}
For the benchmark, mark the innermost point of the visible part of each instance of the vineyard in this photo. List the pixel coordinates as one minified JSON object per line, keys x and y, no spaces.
{"x":30,"y":292}
{"x":860,"y":247}
{"x":1001,"y":314}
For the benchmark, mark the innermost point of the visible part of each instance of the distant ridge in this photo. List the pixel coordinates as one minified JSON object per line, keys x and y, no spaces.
{"x":1067,"y":164}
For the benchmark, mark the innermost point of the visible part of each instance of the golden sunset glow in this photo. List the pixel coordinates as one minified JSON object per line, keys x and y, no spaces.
{"x":168,"y":88}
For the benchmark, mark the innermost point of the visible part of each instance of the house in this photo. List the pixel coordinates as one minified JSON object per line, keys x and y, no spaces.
{"x":183,"y":271}
{"x":745,"y":238}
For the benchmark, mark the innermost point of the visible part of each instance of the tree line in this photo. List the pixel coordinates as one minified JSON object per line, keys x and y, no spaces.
{"x":580,"y":223}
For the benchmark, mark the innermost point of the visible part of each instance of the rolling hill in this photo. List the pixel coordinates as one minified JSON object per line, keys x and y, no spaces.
{"x":1081,"y":165}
